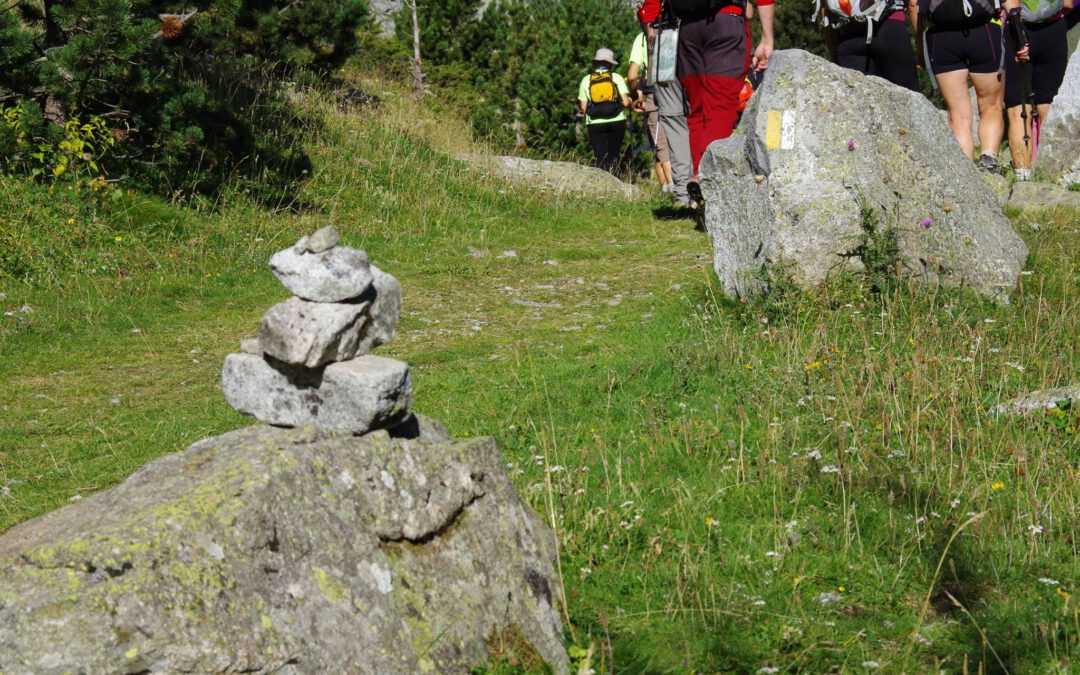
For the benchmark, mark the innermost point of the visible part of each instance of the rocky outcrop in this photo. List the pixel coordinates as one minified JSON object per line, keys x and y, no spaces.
{"x":1029,"y":195}
{"x":557,"y":177}
{"x":310,"y":362}
{"x":816,"y":140}
{"x":1059,"y":140}
{"x":1043,"y":399}
{"x":288,"y":551}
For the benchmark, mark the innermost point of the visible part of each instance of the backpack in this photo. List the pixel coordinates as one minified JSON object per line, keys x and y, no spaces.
{"x":960,"y":12}
{"x":604,"y":99}
{"x":1037,"y":11}
{"x":693,"y":10}
{"x":842,"y":11}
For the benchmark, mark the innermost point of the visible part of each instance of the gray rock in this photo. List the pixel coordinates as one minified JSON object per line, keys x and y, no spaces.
{"x":558,"y":177}
{"x":385,"y":296}
{"x":805,"y":214}
{"x":295,"y":551}
{"x":323,"y":240}
{"x":1043,"y":399}
{"x":251,"y":346}
{"x":1059,"y":141}
{"x":1032,"y":195}
{"x":336,"y":275}
{"x":312,"y":334}
{"x":368,"y":392}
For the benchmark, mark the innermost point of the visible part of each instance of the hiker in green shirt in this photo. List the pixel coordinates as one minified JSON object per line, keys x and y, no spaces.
{"x":604,"y":98}
{"x":645,"y":102}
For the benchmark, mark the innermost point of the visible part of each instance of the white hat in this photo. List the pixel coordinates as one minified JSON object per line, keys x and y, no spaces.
{"x":605,"y":55}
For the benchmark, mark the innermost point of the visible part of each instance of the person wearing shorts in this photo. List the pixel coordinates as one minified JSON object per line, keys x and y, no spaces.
{"x":888,"y":55}
{"x":974,"y":50}
{"x":645,"y":103}
{"x":1041,"y":77}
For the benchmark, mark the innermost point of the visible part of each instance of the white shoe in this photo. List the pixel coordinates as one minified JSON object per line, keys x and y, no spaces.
{"x":1023,"y":174}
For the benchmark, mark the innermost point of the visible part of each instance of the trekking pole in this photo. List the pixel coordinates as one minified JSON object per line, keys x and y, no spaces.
{"x":1016,"y":23}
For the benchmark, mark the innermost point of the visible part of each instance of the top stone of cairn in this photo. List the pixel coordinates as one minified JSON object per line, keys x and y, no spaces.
{"x":317,"y":269}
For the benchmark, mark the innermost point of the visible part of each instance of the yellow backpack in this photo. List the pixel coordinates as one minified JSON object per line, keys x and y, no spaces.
{"x":604,"y":99}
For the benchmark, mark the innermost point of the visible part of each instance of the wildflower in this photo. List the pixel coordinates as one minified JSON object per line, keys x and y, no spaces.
{"x":118,"y":239}
{"x":830,"y":469}
{"x":873,"y":665}
{"x":997,"y":485}
{"x":1049,"y":582}
{"x":1035,"y":530}
{"x":748,"y":366}
{"x":927,"y":223}
{"x":70,"y":221}
{"x":851,"y":144}
{"x":1017,"y":366}
{"x":814,"y":454}
{"x":767,"y":670}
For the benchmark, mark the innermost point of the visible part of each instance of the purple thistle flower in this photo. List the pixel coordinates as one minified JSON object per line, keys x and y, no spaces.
{"x":851,"y":144}
{"x":928,"y":223}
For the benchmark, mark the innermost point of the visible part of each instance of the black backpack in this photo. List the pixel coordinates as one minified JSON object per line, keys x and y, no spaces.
{"x":693,"y":10}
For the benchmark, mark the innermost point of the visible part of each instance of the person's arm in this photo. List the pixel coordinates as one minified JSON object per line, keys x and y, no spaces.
{"x":766,"y":13}
{"x":632,"y":76}
{"x":1014,"y":23}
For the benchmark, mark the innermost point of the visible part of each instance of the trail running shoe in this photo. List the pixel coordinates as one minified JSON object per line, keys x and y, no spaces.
{"x":988,"y":163}
{"x":693,"y":191}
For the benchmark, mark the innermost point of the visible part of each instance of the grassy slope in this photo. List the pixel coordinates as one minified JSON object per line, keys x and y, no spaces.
{"x":670,"y":437}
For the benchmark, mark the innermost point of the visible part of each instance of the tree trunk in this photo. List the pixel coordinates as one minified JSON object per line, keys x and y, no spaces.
{"x":54,"y":35}
{"x":417,"y":70}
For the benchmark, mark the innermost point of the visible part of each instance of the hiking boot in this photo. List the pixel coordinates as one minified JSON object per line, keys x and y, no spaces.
{"x":667,"y":188}
{"x":989,"y":164}
{"x":693,"y":191}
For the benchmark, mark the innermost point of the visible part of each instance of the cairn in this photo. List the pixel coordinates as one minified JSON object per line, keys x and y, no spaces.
{"x":310,"y":364}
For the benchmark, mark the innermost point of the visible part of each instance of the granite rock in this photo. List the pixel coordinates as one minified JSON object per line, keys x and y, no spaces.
{"x":365,"y":393}
{"x":312,"y":334}
{"x":335,"y":275}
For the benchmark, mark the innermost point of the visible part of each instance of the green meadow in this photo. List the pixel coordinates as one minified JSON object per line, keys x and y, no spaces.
{"x":810,"y":483}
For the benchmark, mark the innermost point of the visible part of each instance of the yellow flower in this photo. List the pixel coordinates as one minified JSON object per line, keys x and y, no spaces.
{"x":997,"y":486}
{"x":748,"y":366}
{"x":70,"y":221}
{"x":118,"y":239}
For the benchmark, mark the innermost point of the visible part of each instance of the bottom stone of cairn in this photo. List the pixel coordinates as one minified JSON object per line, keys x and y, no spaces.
{"x":359,"y":395}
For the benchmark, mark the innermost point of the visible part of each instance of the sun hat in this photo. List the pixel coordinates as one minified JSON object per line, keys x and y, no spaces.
{"x":605,"y":55}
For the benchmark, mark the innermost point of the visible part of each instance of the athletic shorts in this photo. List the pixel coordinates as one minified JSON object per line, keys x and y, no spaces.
{"x":977,"y":49}
{"x":888,"y":55}
{"x":1049,"y":42}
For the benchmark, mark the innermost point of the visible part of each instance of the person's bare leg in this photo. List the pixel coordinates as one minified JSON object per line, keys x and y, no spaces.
{"x":1018,"y":148}
{"x":668,"y":176}
{"x":954,"y":89}
{"x":990,"y":89}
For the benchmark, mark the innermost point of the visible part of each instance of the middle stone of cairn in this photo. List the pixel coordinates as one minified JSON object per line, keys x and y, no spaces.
{"x":310,"y":363}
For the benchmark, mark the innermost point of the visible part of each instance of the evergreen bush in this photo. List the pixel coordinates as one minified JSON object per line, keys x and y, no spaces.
{"x":192,"y":91}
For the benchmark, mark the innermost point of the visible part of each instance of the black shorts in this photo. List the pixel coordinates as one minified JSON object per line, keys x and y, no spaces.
{"x":977,"y":49}
{"x":1049,"y":57}
{"x":887,"y":56}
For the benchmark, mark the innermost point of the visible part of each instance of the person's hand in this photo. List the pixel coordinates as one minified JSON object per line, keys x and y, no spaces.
{"x":1023,"y":55}
{"x":761,"y":56}
{"x":638,"y":105}
{"x":920,"y":60}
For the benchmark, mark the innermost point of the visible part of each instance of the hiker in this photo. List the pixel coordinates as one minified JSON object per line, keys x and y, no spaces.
{"x":641,"y":91}
{"x":959,"y":39}
{"x":715,"y":55}
{"x":1031,"y":86}
{"x":604,"y":98}
{"x":670,"y":101}
{"x":873,"y":40}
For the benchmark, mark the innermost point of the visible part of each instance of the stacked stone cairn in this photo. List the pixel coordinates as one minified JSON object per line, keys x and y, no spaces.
{"x":310,"y":364}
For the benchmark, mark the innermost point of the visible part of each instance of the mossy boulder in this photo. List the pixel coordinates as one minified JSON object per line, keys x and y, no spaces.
{"x":275,"y":550}
{"x":816,"y":145}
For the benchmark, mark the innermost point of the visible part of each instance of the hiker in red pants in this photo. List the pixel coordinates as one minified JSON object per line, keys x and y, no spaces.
{"x":715,"y":56}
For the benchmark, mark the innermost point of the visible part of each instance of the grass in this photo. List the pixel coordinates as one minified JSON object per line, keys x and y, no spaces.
{"x":733,"y":488}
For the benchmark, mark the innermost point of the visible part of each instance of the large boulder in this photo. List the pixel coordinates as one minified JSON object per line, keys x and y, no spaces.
{"x":1059,"y":140}
{"x":557,"y":177}
{"x":288,"y":551}
{"x":815,"y":141}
